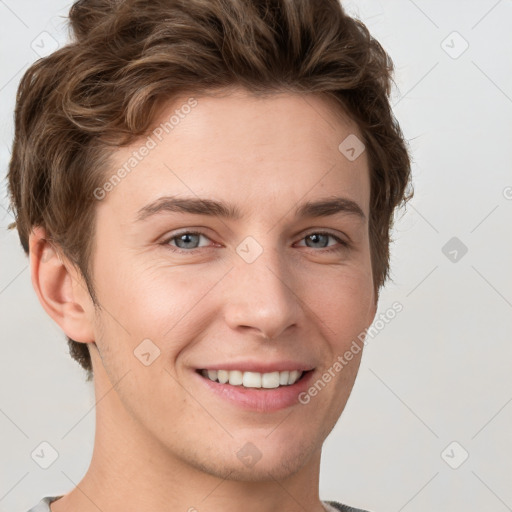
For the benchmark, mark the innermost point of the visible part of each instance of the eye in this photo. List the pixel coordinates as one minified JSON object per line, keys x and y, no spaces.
{"x":319,"y":240}
{"x":189,"y":241}
{"x":185,"y":241}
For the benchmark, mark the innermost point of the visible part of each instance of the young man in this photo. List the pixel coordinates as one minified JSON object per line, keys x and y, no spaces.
{"x":205,"y":190}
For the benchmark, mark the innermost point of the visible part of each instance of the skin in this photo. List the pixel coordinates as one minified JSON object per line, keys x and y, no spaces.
{"x":163,"y":441}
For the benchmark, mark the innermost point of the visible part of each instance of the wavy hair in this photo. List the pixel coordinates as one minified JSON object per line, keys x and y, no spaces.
{"x":126,"y":57}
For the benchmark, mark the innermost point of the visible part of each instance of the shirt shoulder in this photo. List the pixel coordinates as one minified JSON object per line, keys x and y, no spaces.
{"x":44,"y":504}
{"x":335,"y":506}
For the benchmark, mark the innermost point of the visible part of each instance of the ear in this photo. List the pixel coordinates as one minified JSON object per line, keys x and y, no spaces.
{"x":60,"y":288}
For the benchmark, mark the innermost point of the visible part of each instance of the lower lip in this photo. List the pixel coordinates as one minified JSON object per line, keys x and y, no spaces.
{"x":259,"y":399}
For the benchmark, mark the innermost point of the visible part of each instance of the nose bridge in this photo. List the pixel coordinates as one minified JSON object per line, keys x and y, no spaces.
{"x":260,"y":294}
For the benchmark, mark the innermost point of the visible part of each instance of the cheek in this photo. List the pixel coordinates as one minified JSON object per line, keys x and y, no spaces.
{"x":165,"y":304}
{"x":343,"y":300}
{"x":345,"y":309}
{"x":167,"y":298}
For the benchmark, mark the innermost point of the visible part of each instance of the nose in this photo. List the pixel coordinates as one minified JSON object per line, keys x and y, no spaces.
{"x":260,"y":296}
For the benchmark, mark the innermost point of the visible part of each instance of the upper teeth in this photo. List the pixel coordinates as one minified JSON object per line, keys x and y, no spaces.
{"x":253,"y":379}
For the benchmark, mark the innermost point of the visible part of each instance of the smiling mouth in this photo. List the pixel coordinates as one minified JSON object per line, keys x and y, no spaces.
{"x":254,"y":380}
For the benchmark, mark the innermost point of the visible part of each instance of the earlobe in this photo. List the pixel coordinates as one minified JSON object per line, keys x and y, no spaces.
{"x":59,"y":288}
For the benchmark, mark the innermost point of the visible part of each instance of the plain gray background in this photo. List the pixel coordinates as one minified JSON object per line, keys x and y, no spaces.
{"x":435,"y":384}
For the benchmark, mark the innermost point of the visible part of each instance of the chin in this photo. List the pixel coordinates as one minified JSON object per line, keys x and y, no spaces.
{"x":258,"y":461}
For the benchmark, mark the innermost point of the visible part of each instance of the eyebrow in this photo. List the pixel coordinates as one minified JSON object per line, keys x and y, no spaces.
{"x":201,"y":206}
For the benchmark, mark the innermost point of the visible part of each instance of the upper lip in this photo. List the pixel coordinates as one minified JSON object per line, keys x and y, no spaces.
{"x":260,"y":367}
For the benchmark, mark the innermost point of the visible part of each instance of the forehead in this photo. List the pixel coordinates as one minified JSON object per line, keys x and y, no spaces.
{"x":245,"y":149}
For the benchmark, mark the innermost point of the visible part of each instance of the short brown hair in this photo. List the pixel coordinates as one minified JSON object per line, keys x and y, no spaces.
{"x":127,"y":56}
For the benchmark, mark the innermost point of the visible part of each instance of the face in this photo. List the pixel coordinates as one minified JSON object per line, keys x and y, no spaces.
{"x":266,"y":277}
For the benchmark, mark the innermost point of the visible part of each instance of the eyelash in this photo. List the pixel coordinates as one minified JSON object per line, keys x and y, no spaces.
{"x":166,"y":242}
